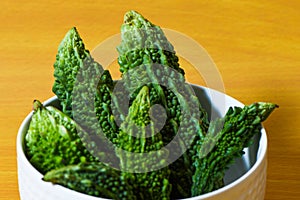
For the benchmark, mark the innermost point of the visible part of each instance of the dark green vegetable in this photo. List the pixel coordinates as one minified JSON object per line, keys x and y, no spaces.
{"x":52,"y":141}
{"x":145,"y":48}
{"x":137,"y":138}
{"x":226,"y":139}
{"x":70,"y":59}
{"x":183,"y":168}
{"x":163,"y":146}
{"x":146,"y":57}
{"x":95,"y":179}
{"x":84,"y":90}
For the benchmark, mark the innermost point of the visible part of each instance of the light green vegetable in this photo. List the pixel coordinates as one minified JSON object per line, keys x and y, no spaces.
{"x":52,"y":141}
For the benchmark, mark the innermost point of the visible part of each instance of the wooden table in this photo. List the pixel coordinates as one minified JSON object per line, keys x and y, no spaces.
{"x":255,"y":45}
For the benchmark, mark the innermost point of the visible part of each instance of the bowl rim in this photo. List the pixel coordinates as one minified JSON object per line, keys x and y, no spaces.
{"x":262,"y":151}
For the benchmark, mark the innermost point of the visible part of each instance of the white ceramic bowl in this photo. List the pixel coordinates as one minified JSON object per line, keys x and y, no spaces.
{"x":244,"y":180}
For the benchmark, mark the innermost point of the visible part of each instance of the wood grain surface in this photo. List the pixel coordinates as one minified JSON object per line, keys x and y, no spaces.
{"x":255,"y":45}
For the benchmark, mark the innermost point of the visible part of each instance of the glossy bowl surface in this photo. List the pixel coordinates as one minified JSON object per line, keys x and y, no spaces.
{"x":244,"y":180}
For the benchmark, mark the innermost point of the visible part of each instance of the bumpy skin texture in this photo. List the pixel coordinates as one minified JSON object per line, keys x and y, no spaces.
{"x":52,"y":141}
{"x":144,"y":42}
{"x":138,"y":136}
{"x":146,"y":56}
{"x":143,"y":51}
{"x":84,"y":91}
{"x":69,"y":59}
{"x":226,"y":139}
{"x":95,"y":179}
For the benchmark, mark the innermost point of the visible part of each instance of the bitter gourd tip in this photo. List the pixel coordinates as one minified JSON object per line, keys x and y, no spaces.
{"x":133,"y":18}
{"x":36,"y":105}
{"x":265,"y":108}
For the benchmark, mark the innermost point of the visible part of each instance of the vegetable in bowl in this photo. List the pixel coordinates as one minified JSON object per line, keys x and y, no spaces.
{"x":144,"y":54}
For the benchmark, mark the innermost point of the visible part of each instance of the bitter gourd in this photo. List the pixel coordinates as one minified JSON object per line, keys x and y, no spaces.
{"x":52,"y":141}
{"x":226,"y":139}
{"x":84,"y":89}
{"x":137,"y":138}
{"x":146,"y":56}
{"x":94,"y":179}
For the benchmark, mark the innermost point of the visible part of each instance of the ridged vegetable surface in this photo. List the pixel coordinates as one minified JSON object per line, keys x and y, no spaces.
{"x":145,"y":51}
{"x":147,"y":57}
{"x":94,"y":179}
{"x":226,"y":139}
{"x":144,"y":42}
{"x":84,"y":90}
{"x":70,"y":58}
{"x":137,"y":138}
{"x":52,"y":141}
{"x":143,"y":137}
